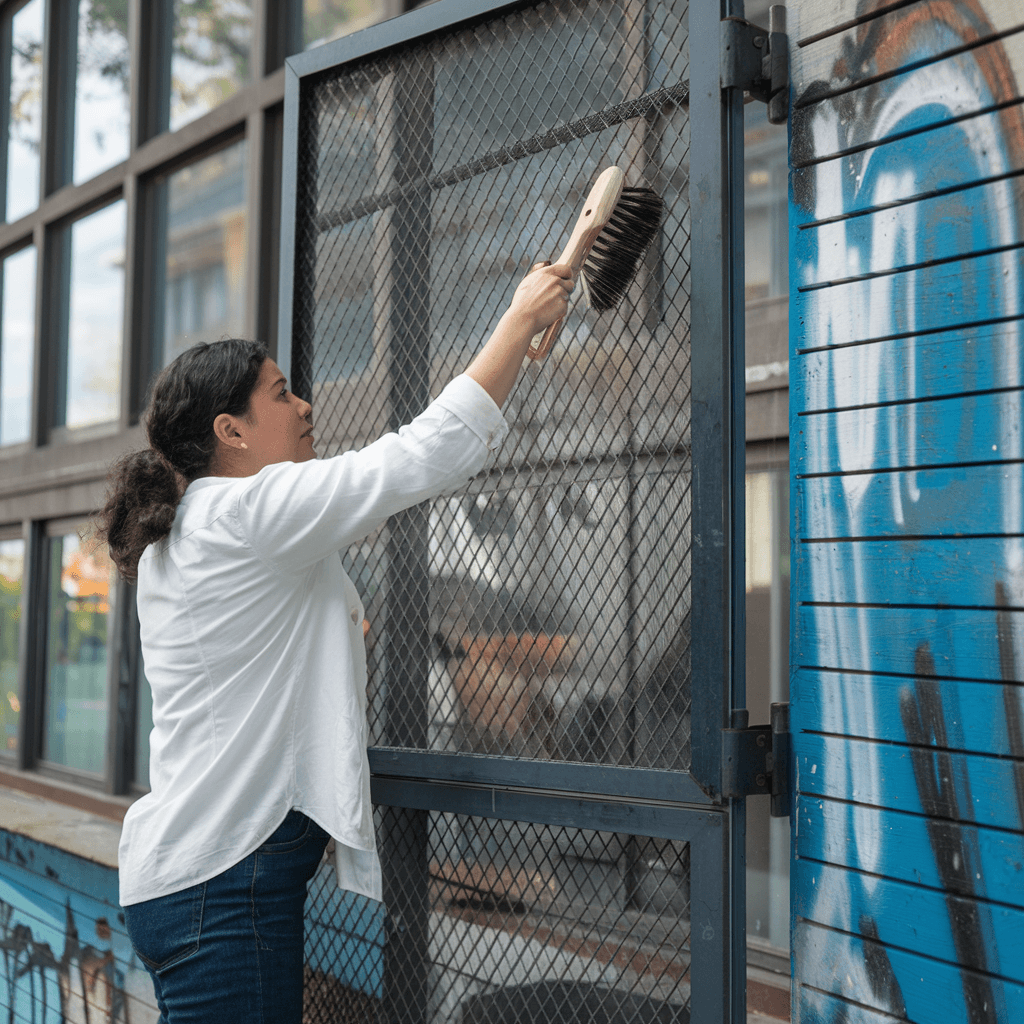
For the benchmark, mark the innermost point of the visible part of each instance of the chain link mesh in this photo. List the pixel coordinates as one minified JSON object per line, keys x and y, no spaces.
{"x":544,"y":611}
{"x":511,"y":922}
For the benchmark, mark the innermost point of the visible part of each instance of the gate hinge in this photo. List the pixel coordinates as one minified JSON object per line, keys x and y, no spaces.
{"x":757,"y":61}
{"x":755,"y":758}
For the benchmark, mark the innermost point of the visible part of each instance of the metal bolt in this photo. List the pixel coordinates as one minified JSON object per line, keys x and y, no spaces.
{"x":761,"y":739}
{"x":761,"y":780}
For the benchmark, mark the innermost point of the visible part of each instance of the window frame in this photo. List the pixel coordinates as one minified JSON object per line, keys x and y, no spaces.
{"x":54,"y":480}
{"x":55,"y":328}
{"x":154,"y":253}
{"x":8,"y":11}
{"x":46,"y":532}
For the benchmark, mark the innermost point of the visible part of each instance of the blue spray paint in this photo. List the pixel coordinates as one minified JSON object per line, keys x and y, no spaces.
{"x":908,"y":305}
{"x":64,"y":953}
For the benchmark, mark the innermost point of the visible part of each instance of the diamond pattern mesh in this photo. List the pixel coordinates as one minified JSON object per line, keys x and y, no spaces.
{"x":543,"y":612}
{"x":495,"y":922}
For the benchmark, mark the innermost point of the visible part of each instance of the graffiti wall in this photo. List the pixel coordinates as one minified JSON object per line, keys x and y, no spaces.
{"x":907,"y":227}
{"x":64,"y":954}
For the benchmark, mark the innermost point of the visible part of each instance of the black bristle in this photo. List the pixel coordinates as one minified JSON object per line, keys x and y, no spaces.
{"x":620,"y":246}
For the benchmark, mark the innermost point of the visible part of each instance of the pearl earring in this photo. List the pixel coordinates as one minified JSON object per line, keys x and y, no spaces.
{"x":244,"y":445}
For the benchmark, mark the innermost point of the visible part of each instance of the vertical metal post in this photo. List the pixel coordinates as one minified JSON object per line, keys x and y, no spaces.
{"x":296,"y":348}
{"x":125,"y":655}
{"x":289,"y":282}
{"x":31,"y":643}
{"x":406,"y":855}
{"x":717,"y":344}
{"x":6,"y":39}
{"x":710,"y":984}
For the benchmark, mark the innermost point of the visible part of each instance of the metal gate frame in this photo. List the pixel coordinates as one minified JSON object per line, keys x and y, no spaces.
{"x":687,"y":806}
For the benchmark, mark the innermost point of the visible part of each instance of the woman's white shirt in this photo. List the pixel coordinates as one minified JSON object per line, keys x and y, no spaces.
{"x":252,"y":643}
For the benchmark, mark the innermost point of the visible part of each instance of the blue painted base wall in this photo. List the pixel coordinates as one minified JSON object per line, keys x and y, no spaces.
{"x":64,"y":953}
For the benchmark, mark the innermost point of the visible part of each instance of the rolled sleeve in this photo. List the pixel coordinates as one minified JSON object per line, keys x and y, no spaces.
{"x":467,"y":400}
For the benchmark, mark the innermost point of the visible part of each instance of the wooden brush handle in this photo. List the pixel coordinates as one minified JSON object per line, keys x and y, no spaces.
{"x":597,"y":211}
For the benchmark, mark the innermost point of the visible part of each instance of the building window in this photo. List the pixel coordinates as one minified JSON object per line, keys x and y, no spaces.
{"x":24,"y":110}
{"x":81,"y":582}
{"x":95,"y":313}
{"x":200,"y":283}
{"x":101,"y":87}
{"x":211,"y":55}
{"x":83,"y":89}
{"x":17,"y":344}
{"x":12,"y":574}
{"x":324,"y":20}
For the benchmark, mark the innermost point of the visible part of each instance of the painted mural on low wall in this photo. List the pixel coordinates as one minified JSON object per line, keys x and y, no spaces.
{"x":906,"y":447}
{"x":64,"y":955}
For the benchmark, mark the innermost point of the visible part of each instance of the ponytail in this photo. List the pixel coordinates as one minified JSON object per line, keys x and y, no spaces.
{"x":140,"y":508}
{"x":145,"y":487}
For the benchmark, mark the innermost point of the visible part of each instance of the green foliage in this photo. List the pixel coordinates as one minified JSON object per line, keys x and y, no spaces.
{"x":328,"y":19}
{"x":211,"y":33}
{"x":106,"y":22}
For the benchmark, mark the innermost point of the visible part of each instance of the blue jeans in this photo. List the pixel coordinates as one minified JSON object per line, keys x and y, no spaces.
{"x":231,"y":949}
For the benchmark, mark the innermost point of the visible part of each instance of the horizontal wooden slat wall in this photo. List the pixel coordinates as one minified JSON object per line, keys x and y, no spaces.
{"x":907,"y":456}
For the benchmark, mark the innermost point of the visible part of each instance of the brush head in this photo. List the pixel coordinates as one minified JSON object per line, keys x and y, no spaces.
{"x":618,"y":249}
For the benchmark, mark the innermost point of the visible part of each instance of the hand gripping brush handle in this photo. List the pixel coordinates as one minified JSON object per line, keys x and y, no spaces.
{"x":605,"y":247}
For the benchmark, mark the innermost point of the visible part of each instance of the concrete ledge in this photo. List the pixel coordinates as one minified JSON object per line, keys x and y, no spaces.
{"x":75,"y":831}
{"x":67,"y":793}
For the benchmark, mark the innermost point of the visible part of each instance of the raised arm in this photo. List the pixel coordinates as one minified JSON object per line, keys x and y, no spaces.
{"x":541,"y":298}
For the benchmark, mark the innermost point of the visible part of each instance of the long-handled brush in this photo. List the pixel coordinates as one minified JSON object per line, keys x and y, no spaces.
{"x":605,"y":248}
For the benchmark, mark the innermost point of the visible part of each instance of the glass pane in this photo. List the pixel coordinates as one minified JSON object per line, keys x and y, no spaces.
{"x":766,"y":209}
{"x":17,"y":345}
{"x":96,"y":312}
{"x":81,"y":580}
{"x":143,"y":725}
{"x":210,"y":60}
{"x":26,"y":110}
{"x":324,"y":20}
{"x":767,"y":557}
{"x":102,"y":87}
{"x":204,"y":269}
{"x":12,"y":569}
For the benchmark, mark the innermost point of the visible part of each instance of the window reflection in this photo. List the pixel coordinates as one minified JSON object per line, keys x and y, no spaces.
{"x":143,"y":725}
{"x":102,"y":87}
{"x":211,"y":55}
{"x":17,"y":345}
{"x":766,"y":205}
{"x":12,"y":569}
{"x":81,"y":583}
{"x":203,"y":275}
{"x":767,"y":596}
{"x":25,"y":110}
{"x":324,"y":20}
{"x":95,"y":315}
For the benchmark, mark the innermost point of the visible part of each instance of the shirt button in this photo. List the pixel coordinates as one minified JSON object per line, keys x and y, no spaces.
{"x":355,"y":616}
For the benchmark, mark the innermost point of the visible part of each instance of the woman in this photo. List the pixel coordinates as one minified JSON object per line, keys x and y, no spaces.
{"x":252,"y":642}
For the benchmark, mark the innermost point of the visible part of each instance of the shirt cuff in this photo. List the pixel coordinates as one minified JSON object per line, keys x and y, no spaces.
{"x":467,"y":400}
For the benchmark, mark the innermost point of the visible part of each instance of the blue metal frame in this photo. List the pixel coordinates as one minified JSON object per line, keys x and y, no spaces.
{"x":590,"y":779}
{"x":718,"y":431}
{"x":626,"y":800}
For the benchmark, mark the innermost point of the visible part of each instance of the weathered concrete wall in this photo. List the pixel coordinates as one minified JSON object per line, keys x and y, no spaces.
{"x":907,"y":295}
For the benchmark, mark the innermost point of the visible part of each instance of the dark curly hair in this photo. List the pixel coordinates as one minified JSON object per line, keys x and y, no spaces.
{"x":146,"y":486}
